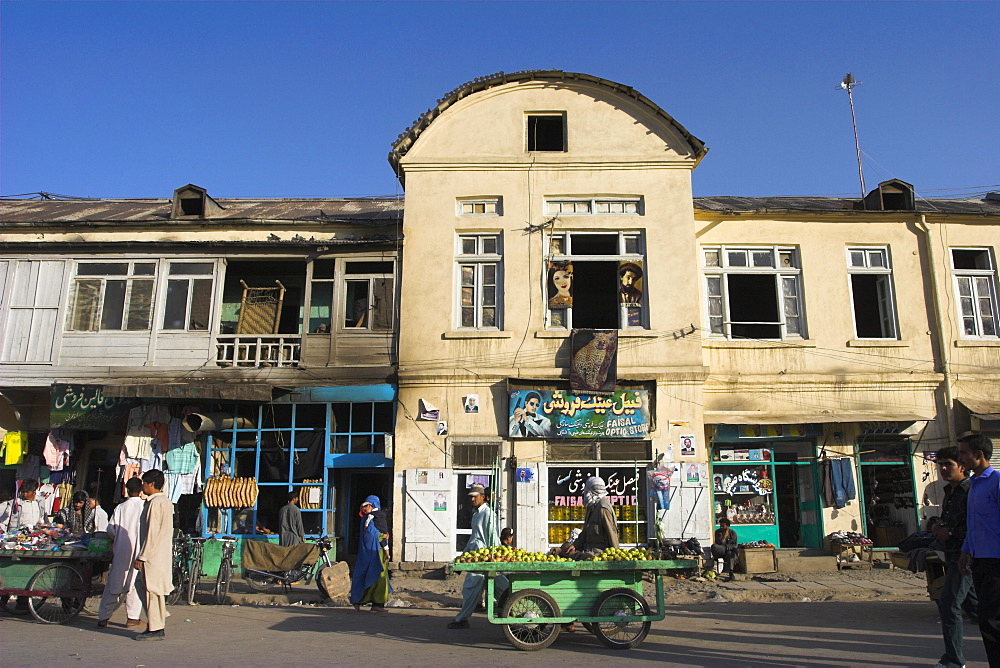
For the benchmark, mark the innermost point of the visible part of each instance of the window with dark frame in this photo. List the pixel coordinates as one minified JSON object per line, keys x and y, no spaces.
{"x":546,"y":132}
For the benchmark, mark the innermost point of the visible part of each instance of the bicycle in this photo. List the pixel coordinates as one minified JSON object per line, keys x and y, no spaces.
{"x":264,"y":581}
{"x":187,"y":562}
{"x":226,"y":565}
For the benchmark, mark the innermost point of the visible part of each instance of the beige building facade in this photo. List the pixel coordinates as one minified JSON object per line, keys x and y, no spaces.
{"x":775,"y":342}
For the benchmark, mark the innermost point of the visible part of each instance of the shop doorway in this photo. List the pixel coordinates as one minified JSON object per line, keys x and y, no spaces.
{"x":357,"y":485}
{"x":464,"y":508}
{"x":797,"y":505}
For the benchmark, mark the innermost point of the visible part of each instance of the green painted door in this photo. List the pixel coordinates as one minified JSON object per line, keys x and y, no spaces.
{"x":810,"y":515}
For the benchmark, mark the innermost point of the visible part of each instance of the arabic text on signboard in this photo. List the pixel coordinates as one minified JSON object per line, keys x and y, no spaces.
{"x":562,"y":414}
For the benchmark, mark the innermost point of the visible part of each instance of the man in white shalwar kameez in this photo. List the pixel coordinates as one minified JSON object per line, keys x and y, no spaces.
{"x":123,"y":528}
{"x":154,"y":562}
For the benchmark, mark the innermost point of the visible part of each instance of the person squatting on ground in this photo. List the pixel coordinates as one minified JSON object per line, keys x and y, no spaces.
{"x":370,"y":582}
{"x":981,"y":549}
{"x":724,"y":547}
{"x":123,"y":528}
{"x":957,"y":593}
{"x":154,"y":562}
{"x":484,"y":534}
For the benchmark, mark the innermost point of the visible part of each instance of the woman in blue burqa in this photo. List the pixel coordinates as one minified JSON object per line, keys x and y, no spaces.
{"x":370,"y":583}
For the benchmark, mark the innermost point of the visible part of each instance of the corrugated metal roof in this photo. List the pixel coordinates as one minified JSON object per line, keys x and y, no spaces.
{"x":351,"y":210}
{"x":990,"y":207}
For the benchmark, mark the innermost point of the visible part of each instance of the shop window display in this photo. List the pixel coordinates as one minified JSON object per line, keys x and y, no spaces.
{"x":744,"y":493}
{"x":626,"y":490}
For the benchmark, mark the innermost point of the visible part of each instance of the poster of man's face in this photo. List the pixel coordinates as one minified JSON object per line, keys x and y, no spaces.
{"x":442,"y":428}
{"x":630,"y":283}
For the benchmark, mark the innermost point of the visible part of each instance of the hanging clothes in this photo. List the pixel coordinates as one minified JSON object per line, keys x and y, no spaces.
{"x":184,"y":459}
{"x":137,"y":439}
{"x":827,"y":484}
{"x":28,"y":468}
{"x":847,"y":477}
{"x":15,"y":445}
{"x":56,"y":452}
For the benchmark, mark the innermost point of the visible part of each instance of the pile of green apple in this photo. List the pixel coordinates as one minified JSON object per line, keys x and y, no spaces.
{"x":618,"y":554}
{"x":504,"y":554}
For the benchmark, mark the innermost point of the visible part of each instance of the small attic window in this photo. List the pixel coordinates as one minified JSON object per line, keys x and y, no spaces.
{"x":193,"y":201}
{"x":547,"y":132}
{"x":892,"y":195}
{"x":192,"y":206}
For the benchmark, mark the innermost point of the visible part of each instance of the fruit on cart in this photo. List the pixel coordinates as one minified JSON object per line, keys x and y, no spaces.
{"x":519,"y":555}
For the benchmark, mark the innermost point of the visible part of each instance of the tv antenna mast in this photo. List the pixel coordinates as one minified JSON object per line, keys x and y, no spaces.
{"x":848,"y":84}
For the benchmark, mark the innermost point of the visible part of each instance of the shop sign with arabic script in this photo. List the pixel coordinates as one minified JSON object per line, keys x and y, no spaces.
{"x":86,"y":407}
{"x":564,"y":414}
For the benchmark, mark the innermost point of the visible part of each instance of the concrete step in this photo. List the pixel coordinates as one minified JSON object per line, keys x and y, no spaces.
{"x":805,"y":560}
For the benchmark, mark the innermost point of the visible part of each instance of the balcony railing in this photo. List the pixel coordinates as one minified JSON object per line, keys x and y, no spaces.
{"x":257,"y":351}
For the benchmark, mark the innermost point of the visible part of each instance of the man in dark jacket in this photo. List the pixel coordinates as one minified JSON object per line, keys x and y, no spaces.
{"x":957,"y":592}
{"x":290,"y":529}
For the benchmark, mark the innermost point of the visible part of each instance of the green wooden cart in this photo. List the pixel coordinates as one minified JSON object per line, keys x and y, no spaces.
{"x":51,"y":585}
{"x":605,"y":596}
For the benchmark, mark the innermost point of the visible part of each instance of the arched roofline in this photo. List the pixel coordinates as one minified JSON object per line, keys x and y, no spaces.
{"x":407,"y":139}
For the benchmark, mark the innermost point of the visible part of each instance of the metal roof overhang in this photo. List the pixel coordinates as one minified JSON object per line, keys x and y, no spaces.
{"x":767,"y":417}
{"x":984,"y":409}
{"x":257,"y":392}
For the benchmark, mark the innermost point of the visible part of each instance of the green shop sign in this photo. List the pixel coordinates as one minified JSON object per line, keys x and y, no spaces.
{"x":86,"y":407}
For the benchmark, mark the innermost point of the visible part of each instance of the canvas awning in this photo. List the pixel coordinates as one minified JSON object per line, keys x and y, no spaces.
{"x":777,"y":417}
{"x":260,"y":392}
{"x":984,"y":409}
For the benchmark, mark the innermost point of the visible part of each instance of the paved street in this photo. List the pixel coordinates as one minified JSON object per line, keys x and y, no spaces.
{"x":831,"y":633}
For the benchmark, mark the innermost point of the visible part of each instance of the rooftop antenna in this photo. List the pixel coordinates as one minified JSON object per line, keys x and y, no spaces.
{"x":848,"y":84}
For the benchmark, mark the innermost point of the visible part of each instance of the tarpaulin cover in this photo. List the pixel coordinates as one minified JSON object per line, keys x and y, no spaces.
{"x":261,"y":555}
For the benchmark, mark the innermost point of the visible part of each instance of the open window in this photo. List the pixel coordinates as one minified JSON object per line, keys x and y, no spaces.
{"x":594,"y":280}
{"x":976,"y":290}
{"x":753,"y":292}
{"x":368,"y":295}
{"x":188,"y":303}
{"x":546,"y":131}
{"x":871,"y":293}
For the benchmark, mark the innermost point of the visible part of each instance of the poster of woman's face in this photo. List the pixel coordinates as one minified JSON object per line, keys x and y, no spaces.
{"x":472,"y":403}
{"x":560,"y":284}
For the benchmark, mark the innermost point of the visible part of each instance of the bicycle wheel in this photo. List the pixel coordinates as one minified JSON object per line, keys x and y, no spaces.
{"x":194,"y":575}
{"x":621,"y":602}
{"x":531,"y":604}
{"x":222,"y":580}
{"x":259,"y":581}
{"x":179,"y":578}
{"x":61,"y":594}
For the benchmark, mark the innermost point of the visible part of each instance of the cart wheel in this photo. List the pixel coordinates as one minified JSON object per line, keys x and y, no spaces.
{"x":64,"y":597}
{"x":14,"y":605}
{"x":621,"y":602}
{"x":194,"y":577}
{"x":531,"y":604}
{"x":259,"y":582}
{"x":222,"y":581}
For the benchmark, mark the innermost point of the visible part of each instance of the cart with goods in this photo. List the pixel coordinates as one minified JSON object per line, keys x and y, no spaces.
{"x":605,"y":595}
{"x":52,"y":585}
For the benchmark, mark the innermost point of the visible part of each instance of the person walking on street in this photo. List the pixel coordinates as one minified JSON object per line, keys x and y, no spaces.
{"x":484,"y":534}
{"x":123,"y":527}
{"x":370,"y":583}
{"x":290,"y":529}
{"x":981,"y":549}
{"x":156,"y":555}
{"x":957,"y":593}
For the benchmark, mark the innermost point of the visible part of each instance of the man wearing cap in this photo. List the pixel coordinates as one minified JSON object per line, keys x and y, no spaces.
{"x":484,"y":534}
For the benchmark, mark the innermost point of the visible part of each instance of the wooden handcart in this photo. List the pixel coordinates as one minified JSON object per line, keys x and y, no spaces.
{"x":605,"y":596}
{"x":52,"y":585}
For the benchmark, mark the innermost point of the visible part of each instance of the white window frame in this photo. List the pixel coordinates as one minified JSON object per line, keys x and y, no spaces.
{"x":343,"y":279}
{"x":631,"y":248}
{"x":982,"y":287}
{"x":590,"y":206}
{"x":874,"y":260}
{"x":168,"y":276}
{"x":785,"y":267}
{"x":129,"y":277}
{"x":478,"y":261}
{"x":479,"y":206}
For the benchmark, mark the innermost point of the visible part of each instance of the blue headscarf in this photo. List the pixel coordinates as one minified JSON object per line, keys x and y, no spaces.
{"x":373,"y":500}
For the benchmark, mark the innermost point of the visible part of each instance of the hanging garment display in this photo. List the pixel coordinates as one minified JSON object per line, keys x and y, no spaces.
{"x":15,"y":445}
{"x":56,"y":451}
{"x":184,"y":459}
{"x":137,"y":439}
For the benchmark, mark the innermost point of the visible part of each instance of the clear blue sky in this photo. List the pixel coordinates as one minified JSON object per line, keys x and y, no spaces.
{"x":262,"y":99}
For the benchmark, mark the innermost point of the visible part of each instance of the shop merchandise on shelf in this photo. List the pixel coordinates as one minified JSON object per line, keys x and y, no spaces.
{"x":849,"y":538}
